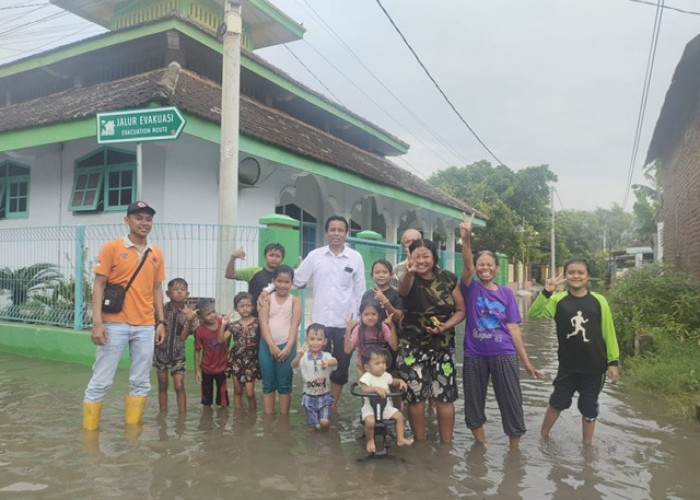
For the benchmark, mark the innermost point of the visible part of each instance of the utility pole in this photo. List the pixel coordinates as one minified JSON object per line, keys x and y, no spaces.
{"x":228,"y":166}
{"x":552,"y":246}
{"x":230,"y":111}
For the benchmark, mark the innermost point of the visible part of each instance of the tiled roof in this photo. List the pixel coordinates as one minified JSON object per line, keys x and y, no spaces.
{"x":201,"y":97}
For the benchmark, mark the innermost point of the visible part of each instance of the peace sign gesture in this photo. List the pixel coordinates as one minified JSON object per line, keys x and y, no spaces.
{"x":411,"y":265}
{"x":552,"y":284}
{"x":466,"y":226}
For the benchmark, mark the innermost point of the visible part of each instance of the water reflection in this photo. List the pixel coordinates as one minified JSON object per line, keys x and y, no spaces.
{"x":222,"y":453}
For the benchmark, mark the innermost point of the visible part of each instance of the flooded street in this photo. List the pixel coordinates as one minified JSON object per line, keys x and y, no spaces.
{"x":44,"y":454}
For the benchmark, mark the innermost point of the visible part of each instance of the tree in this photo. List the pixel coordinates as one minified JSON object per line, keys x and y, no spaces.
{"x":517,"y":204}
{"x":28,"y":279}
{"x":593,"y":235}
{"x":648,"y":204}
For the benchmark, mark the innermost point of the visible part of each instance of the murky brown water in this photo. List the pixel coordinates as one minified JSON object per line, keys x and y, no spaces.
{"x":44,"y":454}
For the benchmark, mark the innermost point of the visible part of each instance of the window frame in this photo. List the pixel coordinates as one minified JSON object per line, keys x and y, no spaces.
{"x":7,"y":180}
{"x":103,"y":188}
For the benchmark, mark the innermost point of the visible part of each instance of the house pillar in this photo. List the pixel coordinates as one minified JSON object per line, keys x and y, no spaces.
{"x":450,"y":241}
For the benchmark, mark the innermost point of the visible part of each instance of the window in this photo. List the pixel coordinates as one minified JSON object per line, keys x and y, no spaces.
{"x":307,"y":226}
{"x":14,"y":190}
{"x":104,"y":180}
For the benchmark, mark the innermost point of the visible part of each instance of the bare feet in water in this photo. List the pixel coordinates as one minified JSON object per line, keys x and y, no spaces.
{"x":371,"y":447}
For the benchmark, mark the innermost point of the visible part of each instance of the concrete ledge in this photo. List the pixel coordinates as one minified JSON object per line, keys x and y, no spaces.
{"x":48,"y":342}
{"x":60,"y":344}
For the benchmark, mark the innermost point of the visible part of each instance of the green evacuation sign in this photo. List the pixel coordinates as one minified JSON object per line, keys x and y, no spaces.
{"x":136,"y":125}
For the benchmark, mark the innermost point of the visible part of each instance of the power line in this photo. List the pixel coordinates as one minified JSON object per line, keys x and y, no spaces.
{"x":667,"y":7}
{"x":645,"y":96}
{"x":558,"y":198}
{"x":359,"y":89}
{"x":53,"y":40}
{"x":408,"y":109}
{"x":371,"y":99}
{"x":50,"y":17}
{"x":447,"y":99}
{"x":335,"y":97}
{"x":25,"y":6}
{"x":312,"y":74}
{"x":354,"y":84}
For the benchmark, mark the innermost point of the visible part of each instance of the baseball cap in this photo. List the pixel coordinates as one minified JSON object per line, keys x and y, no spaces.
{"x":139,"y":206}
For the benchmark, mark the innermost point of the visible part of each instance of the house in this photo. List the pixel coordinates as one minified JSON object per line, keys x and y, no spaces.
{"x":674,"y":147}
{"x":301,"y":153}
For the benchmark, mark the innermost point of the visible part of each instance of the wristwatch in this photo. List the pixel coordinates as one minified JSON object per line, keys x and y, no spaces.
{"x":161,"y":322}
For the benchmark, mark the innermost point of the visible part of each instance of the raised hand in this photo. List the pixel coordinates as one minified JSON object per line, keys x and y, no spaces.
{"x":466,"y":226}
{"x":189,"y":312}
{"x":411,"y":266}
{"x":389,"y":319}
{"x":350,"y":323}
{"x":379,"y":295}
{"x":239,"y":254}
{"x":226,"y":320}
{"x":552,"y":284}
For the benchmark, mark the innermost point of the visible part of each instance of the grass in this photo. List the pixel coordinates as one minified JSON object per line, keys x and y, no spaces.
{"x":671,"y":371}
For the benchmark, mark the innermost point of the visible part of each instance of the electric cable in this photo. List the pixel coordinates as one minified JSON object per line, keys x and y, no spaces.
{"x":432,"y":79}
{"x":407,"y":108}
{"x":313,"y":75}
{"x":667,"y":7}
{"x":645,"y":96}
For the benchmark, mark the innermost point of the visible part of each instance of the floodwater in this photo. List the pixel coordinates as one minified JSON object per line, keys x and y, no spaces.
{"x":44,"y":454}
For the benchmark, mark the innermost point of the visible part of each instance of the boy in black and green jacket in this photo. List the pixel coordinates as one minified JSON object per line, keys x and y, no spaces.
{"x":587,"y":345}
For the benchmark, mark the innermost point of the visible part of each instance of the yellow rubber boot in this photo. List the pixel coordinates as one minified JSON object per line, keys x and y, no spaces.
{"x":91,"y":415}
{"x":134,"y":409}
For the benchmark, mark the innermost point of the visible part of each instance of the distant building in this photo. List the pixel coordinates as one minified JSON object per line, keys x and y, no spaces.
{"x":675,"y":146}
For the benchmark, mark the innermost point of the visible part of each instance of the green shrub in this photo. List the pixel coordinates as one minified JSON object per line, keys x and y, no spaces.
{"x":655,"y":300}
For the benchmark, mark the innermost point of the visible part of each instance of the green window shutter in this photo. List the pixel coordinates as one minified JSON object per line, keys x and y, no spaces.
{"x":87,"y":189}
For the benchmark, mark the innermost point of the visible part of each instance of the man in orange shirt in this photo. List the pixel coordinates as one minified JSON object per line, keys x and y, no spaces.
{"x":133,"y":325}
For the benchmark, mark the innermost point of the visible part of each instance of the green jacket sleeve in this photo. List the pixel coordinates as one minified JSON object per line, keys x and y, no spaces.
{"x":247,"y":273}
{"x":543,"y":307}
{"x":608,"y":328}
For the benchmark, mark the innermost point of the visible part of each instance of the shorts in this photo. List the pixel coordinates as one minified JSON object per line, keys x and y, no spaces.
{"x":208,"y":380}
{"x":588,"y":386}
{"x":336,"y":346}
{"x":368,"y":411}
{"x":175,"y":366}
{"x":276,"y":376}
{"x":317,"y":408}
{"x":429,"y":373}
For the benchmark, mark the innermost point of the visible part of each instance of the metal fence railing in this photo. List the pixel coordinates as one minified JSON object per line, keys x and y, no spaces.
{"x":46,"y":273}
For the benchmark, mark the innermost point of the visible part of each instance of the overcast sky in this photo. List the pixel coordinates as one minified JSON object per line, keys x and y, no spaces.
{"x":556,"y":82}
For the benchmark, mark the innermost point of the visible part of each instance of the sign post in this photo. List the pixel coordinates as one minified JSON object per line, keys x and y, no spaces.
{"x":138,"y":125}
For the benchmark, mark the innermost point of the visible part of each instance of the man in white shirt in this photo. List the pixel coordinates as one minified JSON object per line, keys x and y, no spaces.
{"x":337,"y":274}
